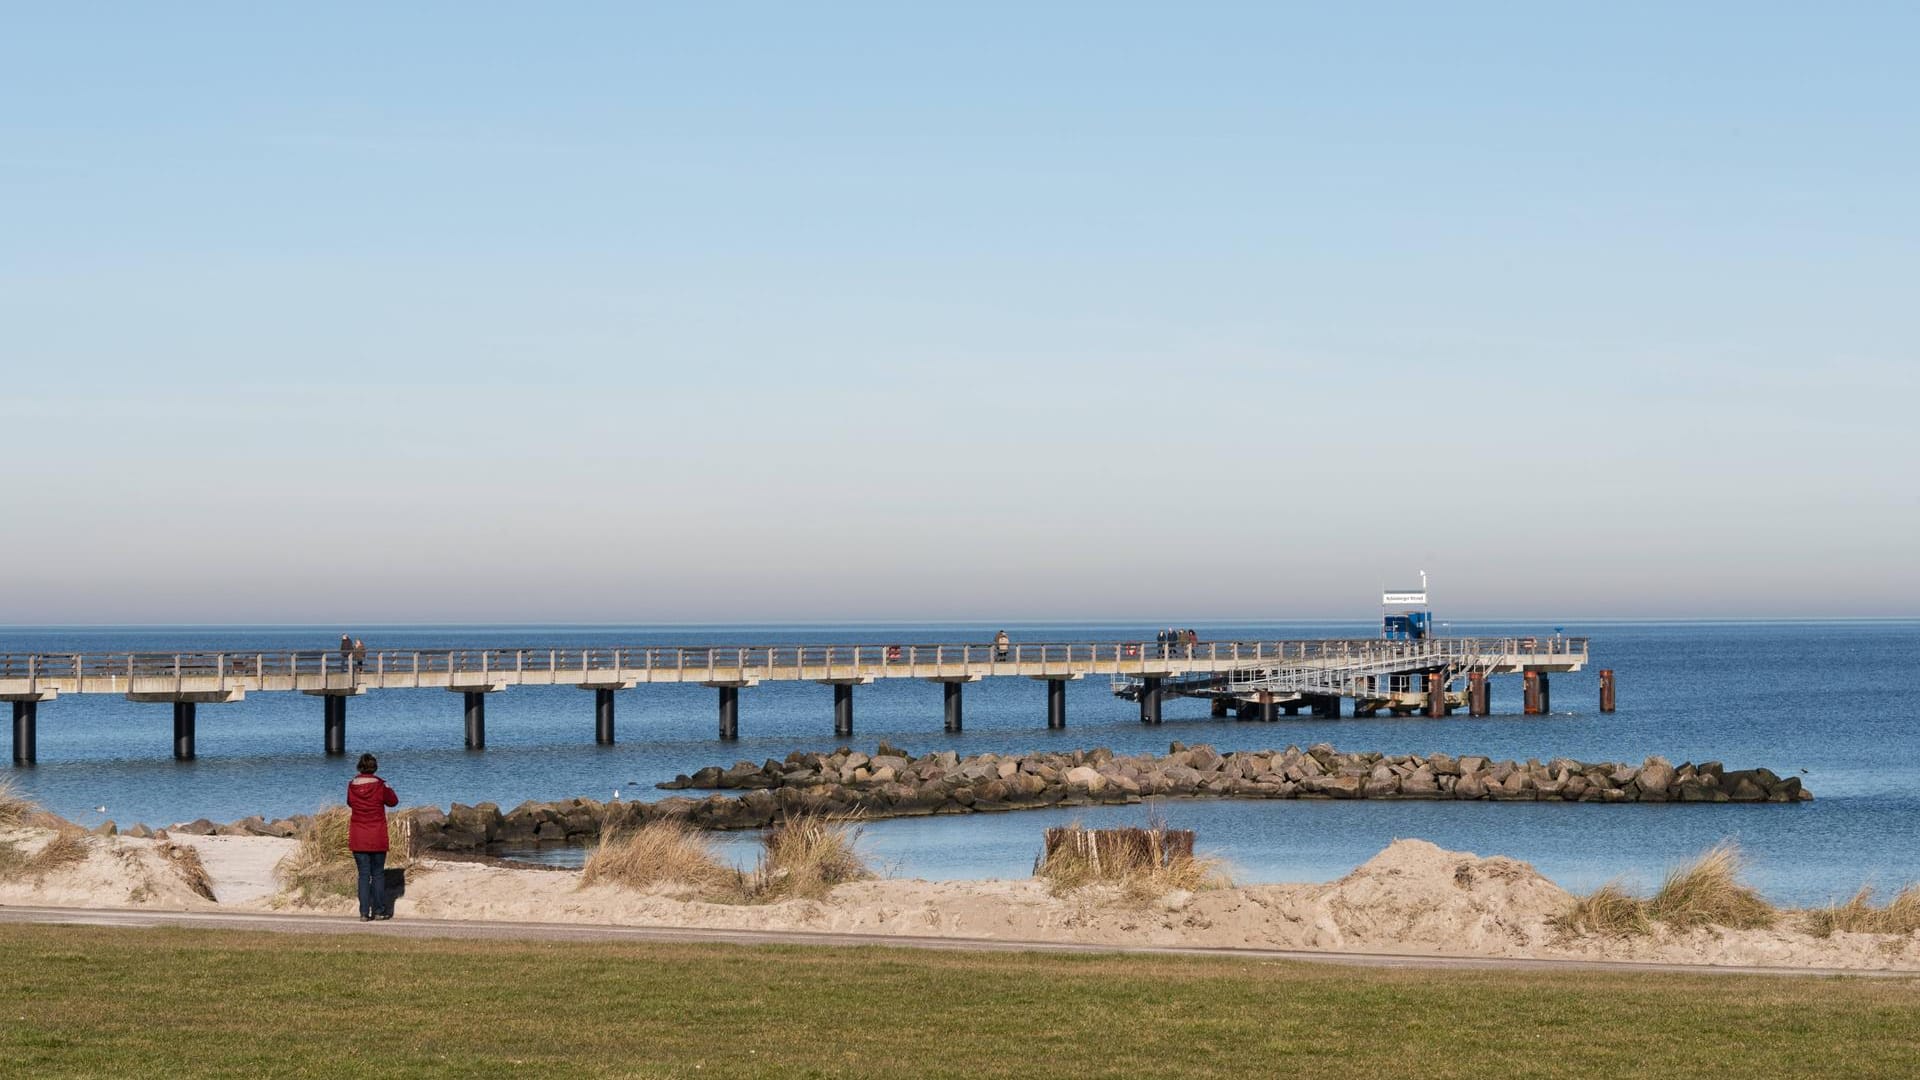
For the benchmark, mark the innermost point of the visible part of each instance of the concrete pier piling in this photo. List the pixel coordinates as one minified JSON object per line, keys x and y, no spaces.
{"x":1266,"y":706}
{"x":603,"y":716}
{"x":1325,"y":706}
{"x":1530,"y":693}
{"x":1218,"y":709}
{"x":1436,"y":695}
{"x":952,"y":707}
{"x":1478,"y":700}
{"x":1150,"y":700}
{"x":333,"y":709}
{"x":842,"y":709}
{"x":25,"y":732}
{"x":729,"y":712}
{"x":476,"y":713}
{"x":183,"y":730}
{"x":1606,"y":690}
{"x":1056,"y":704}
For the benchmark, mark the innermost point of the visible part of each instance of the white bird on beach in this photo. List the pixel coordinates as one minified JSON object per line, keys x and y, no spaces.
{"x":616,"y":793}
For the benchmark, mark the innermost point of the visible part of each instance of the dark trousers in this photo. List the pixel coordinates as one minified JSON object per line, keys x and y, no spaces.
{"x":373,"y":882}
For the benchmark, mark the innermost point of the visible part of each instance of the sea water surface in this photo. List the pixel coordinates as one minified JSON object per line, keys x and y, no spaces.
{"x":1833,"y":701}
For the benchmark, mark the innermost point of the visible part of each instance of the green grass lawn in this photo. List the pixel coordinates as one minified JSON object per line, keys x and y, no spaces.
{"x":83,"y":1001}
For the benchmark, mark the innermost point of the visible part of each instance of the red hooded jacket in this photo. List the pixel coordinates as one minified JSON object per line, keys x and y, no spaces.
{"x":368,"y":796}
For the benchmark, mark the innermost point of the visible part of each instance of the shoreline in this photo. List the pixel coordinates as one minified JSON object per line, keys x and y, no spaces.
{"x":1413,"y":898}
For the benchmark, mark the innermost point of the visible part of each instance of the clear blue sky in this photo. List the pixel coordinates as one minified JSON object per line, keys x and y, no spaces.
{"x":730,"y":311}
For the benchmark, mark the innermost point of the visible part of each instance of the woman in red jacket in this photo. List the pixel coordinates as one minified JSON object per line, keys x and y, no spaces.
{"x":368,"y":797}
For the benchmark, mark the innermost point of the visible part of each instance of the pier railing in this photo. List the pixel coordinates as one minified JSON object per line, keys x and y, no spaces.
{"x":619,"y":662}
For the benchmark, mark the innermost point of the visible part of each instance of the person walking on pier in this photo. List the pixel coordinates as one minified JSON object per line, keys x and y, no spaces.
{"x":359,"y":655}
{"x":368,"y":797}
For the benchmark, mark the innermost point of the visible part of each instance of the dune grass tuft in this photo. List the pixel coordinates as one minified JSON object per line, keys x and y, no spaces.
{"x":804,"y":856}
{"x":1705,"y":892}
{"x":1146,"y":863}
{"x":1860,"y":915}
{"x":1609,"y":910}
{"x":185,"y":861}
{"x":322,"y":865}
{"x":1708,"y":892}
{"x":665,"y":852}
{"x":15,"y":808}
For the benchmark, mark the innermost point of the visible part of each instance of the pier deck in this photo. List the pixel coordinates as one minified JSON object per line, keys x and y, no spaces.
{"x":188,"y":679}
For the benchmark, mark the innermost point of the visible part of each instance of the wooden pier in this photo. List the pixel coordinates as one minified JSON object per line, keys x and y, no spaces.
{"x":1144,"y":671}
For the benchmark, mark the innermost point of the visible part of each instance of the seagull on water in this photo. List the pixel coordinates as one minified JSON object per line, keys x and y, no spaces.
{"x":99,"y":809}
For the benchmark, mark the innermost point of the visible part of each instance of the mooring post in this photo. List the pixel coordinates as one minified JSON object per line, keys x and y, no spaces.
{"x":1530,"y":693}
{"x":843,"y":709}
{"x":1436,"y":695}
{"x":1477,"y":698}
{"x":26,"y":716}
{"x":950,"y":704}
{"x":1606,"y":689}
{"x":334,"y":720}
{"x":183,"y":731}
{"x":729,"y":712}
{"x":476,"y":720}
{"x":1056,"y":704}
{"x":603,"y":716}
{"x":1150,"y":700}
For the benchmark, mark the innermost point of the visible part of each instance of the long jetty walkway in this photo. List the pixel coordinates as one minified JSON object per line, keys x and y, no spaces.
{"x":1402,"y":676}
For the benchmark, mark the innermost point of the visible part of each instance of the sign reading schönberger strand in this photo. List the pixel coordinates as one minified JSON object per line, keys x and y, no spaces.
{"x":1404,"y":599}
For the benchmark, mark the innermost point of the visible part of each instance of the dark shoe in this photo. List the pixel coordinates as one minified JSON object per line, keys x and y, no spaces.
{"x":366,"y":918}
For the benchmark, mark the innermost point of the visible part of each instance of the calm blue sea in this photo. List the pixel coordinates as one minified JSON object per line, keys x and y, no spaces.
{"x":1833,"y":699}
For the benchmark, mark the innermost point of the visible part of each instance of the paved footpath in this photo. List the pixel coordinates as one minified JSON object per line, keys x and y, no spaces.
{"x":275,"y":922}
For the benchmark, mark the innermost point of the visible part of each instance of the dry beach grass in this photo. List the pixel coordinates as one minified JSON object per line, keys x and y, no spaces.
{"x":321,"y":866}
{"x":1708,"y":891}
{"x":803,"y":857}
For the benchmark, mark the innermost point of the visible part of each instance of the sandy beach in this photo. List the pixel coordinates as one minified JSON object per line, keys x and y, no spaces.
{"x":1412,"y":898}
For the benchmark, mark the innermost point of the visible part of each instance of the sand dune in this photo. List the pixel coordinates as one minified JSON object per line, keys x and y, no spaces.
{"x":1412,"y":898}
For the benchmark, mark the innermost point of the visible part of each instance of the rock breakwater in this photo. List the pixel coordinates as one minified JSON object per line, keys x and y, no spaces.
{"x":894,"y":783}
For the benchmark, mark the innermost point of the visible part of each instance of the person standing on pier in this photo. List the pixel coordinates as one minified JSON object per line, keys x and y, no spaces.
{"x":1000,"y":644}
{"x":368,"y":797}
{"x":346,"y":652}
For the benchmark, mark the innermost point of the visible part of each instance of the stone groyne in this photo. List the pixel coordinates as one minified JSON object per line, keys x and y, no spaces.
{"x":894,"y":783}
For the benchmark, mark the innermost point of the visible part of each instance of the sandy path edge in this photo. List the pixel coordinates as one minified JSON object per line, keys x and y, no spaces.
{"x":494,"y":930}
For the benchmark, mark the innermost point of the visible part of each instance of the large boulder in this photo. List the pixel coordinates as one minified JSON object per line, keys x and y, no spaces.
{"x":1655,"y":777}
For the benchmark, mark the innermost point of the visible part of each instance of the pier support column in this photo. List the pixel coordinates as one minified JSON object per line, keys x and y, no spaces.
{"x":1606,"y":690}
{"x":952,"y":709}
{"x":1436,"y":695}
{"x":1219,"y":708}
{"x":183,"y":730}
{"x":1546,"y":695}
{"x":1327,"y":707}
{"x":26,"y":715}
{"x":1477,"y":697}
{"x":1056,"y":704}
{"x":842,"y":709}
{"x":1291,"y":708}
{"x":1266,"y":706}
{"x":729,"y":712}
{"x":476,"y":719}
{"x":603,"y":716}
{"x":1530,"y":693}
{"x":334,"y":721}
{"x":1150,"y":700}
